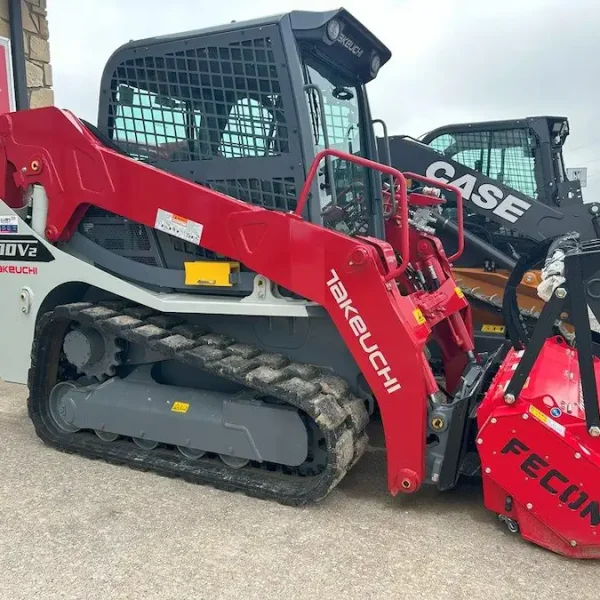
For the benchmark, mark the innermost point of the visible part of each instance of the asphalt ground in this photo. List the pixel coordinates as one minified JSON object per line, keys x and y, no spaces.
{"x":80,"y":529}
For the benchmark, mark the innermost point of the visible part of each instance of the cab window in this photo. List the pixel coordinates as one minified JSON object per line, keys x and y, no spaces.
{"x":506,"y":156}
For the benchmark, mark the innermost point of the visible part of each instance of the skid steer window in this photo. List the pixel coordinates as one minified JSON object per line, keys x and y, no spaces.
{"x":344,"y":131}
{"x":249,"y":131}
{"x":506,"y":156}
{"x":151,"y":127}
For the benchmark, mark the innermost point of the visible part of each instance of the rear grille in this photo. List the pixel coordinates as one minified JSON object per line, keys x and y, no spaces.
{"x":118,"y":235}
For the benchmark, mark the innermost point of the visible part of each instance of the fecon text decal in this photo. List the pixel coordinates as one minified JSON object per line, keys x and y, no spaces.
{"x":360,"y":330}
{"x":488,"y":196}
{"x":554,"y":482}
{"x":23,"y":248}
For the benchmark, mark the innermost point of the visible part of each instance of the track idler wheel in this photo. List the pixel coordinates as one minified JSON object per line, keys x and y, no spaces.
{"x":235,"y":462}
{"x":106,"y":436}
{"x":191,"y":453}
{"x":144,"y":444}
{"x":62,"y":408}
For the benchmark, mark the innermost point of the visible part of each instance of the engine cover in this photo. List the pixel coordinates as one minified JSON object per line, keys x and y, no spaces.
{"x":540,"y":467}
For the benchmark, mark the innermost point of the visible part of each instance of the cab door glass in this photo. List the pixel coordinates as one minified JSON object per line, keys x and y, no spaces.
{"x":343,"y":127}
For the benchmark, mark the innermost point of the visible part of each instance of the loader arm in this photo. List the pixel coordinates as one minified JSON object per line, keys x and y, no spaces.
{"x":346,"y":276}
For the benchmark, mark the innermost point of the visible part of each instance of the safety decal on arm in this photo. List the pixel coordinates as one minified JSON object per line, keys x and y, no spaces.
{"x":180,"y":227}
{"x":419,"y":316}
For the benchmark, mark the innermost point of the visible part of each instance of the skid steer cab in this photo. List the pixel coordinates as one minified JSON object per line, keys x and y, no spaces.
{"x":214,"y":284}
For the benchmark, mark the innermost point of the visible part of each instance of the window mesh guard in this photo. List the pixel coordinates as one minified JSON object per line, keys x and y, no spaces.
{"x":191,"y":109}
{"x":506,"y":156}
{"x":207,"y":103}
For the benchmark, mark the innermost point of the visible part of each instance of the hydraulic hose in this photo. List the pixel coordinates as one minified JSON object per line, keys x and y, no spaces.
{"x":515,"y":325}
{"x":496,"y":255}
{"x":537,"y":258}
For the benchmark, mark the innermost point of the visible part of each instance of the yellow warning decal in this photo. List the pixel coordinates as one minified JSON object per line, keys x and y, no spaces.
{"x":419,"y":318}
{"x":180,"y":407}
{"x":493,"y":328}
{"x":546,"y":420}
{"x":538,"y":414}
{"x":459,"y":292}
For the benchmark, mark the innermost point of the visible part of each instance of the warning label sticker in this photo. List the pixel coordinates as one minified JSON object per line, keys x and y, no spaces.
{"x":419,"y":317}
{"x":180,"y":407}
{"x":180,"y":227}
{"x":492,"y":328}
{"x":9,"y":224}
{"x":546,"y":420}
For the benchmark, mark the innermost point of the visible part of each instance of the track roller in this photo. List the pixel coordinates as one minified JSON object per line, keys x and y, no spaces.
{"x":191,"y":453}
{"x":145,"y":444}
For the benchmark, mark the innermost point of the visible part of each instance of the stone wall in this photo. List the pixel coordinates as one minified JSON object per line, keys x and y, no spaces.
{"x":37,"y":49}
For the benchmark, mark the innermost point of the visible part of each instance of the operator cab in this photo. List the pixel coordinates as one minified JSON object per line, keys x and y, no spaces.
{"x":504,"y":168}
{"x":243,"y":109}
{"x":200,"y":102}
{"x":523,"y":154}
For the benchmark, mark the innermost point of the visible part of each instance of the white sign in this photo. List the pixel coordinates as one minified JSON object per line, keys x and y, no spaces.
{"x":579,"y":173}
{"x":7,"y":87}
{"x":180,"y":227}
{"x":9,"y":224}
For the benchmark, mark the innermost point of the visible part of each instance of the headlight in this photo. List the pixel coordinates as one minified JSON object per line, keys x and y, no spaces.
{"x":333,"y":30}
{"x":375,"y":64}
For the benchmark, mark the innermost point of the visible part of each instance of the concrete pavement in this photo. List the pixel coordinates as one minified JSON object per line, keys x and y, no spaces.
{"x":74,"y":528}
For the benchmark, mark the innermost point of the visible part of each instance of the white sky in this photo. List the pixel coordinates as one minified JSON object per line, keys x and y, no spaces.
{"x":452,"y":60}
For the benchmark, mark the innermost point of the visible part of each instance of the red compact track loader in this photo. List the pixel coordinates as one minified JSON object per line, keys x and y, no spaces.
{"x":238,"y":319}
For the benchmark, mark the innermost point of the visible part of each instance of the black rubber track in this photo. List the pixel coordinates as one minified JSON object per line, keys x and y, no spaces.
{"x":341,"y":418}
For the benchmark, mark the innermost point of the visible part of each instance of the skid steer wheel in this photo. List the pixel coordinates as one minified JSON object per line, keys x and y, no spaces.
{"x":334,"y":419}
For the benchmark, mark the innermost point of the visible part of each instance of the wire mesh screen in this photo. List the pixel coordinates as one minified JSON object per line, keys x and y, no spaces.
{"x":277,"y":194}
{"x":203,"y":104}
{"x":506,"y":156}
{"x":118,"y":235}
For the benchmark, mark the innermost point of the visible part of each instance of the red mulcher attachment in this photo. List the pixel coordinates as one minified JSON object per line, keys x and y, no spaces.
{"x":540,"y":466}
{"x":539,"y":421}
